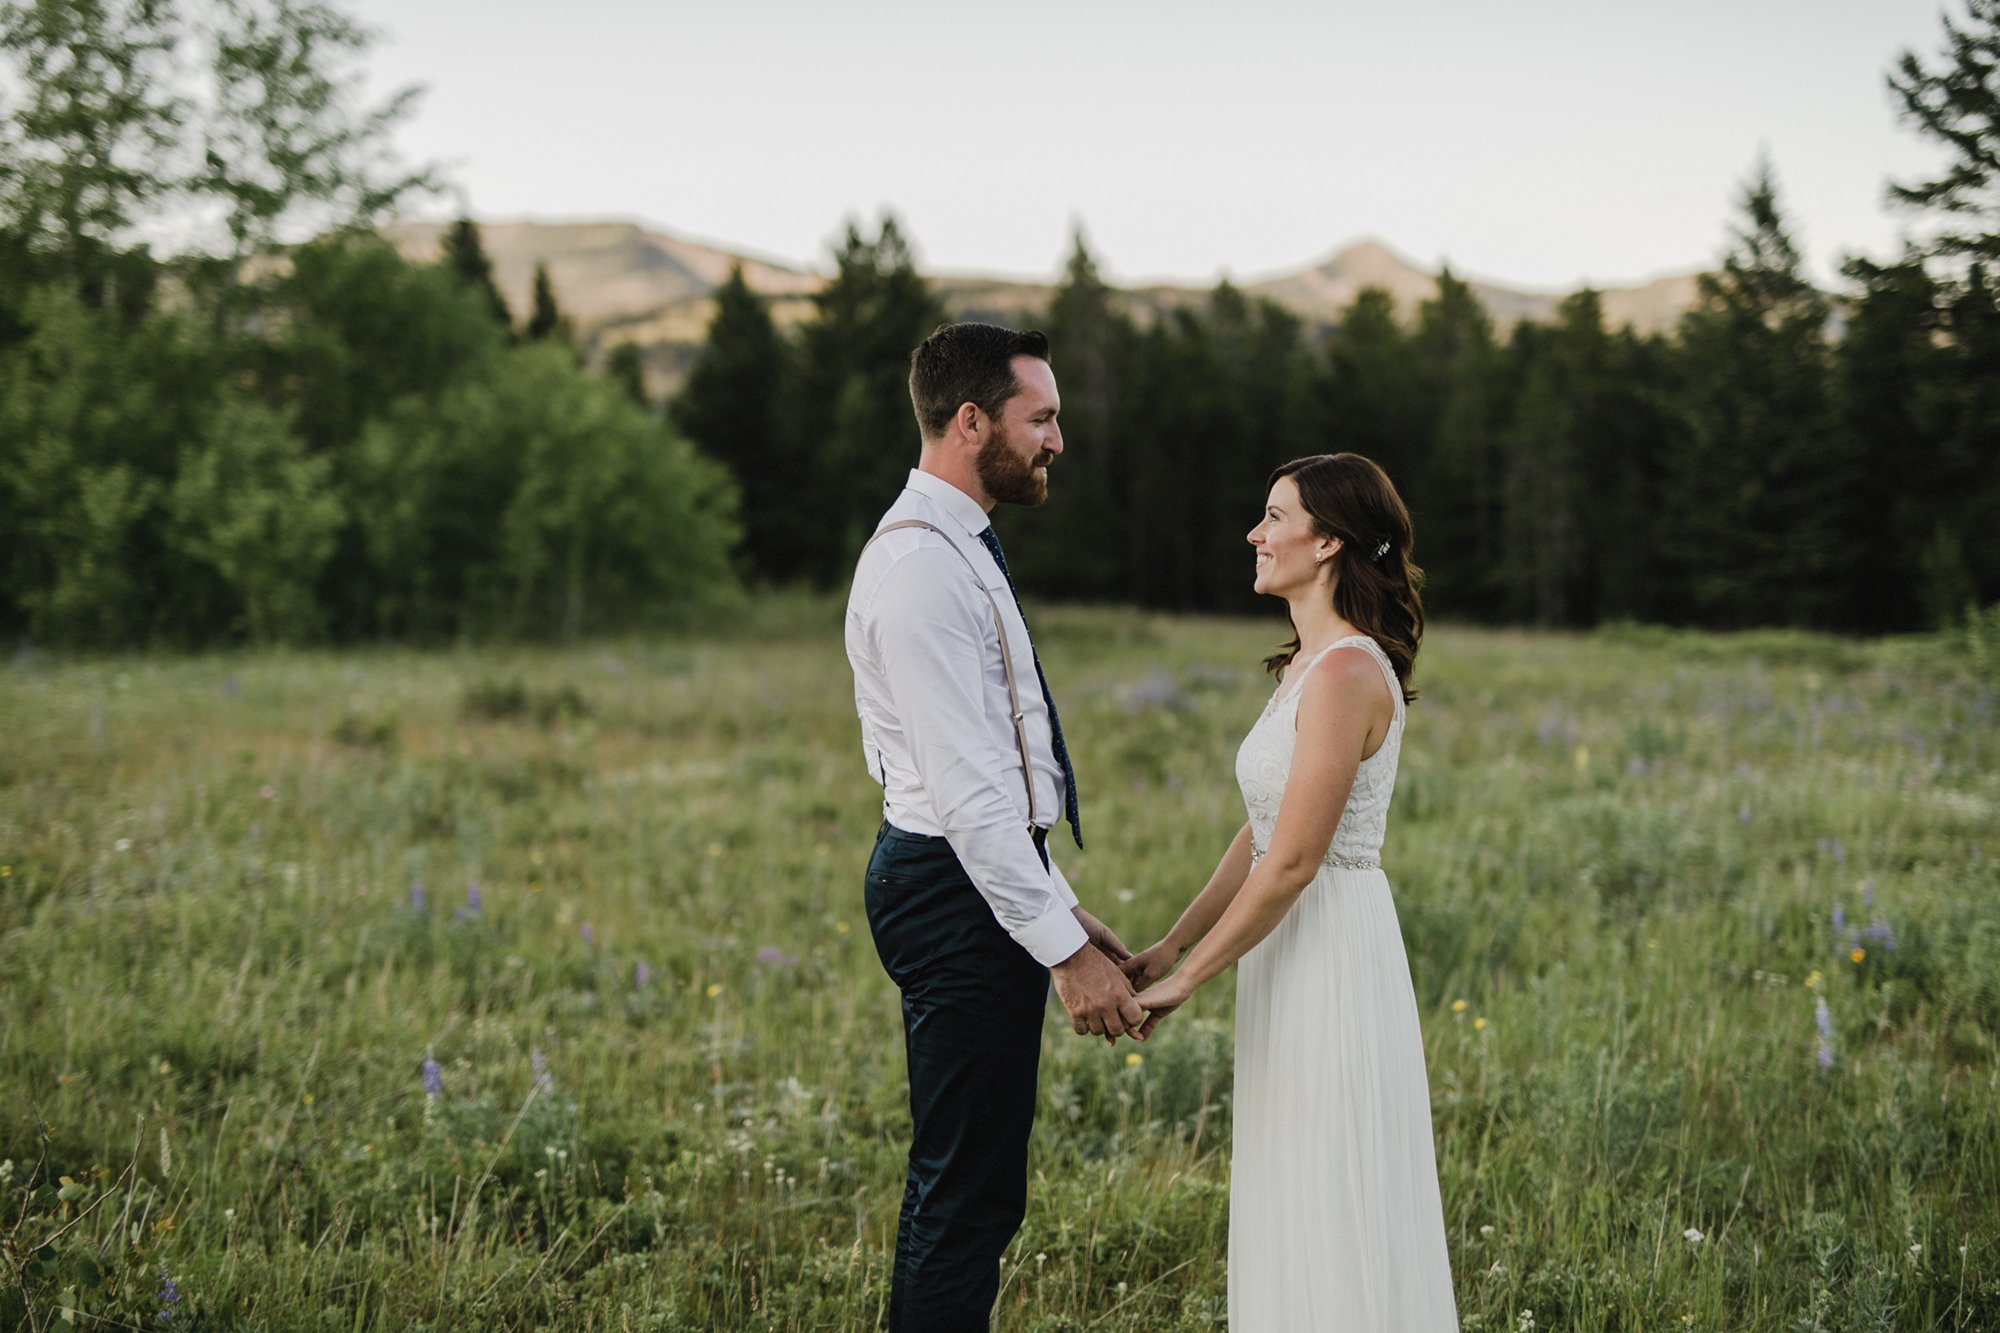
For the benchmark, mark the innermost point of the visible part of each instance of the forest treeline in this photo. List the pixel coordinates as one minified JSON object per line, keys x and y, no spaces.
{"x":1785,"y":457}
{"x":253,"y":440}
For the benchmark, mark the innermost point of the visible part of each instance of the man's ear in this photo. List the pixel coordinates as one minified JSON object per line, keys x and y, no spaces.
{"x":967,"y":420}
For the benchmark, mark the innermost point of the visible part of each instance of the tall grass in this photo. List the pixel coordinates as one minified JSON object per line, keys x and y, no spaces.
{"x":649,"y":1075}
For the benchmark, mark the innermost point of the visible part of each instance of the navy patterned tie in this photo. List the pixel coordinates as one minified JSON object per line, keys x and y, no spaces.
{"x":1055,"y":723}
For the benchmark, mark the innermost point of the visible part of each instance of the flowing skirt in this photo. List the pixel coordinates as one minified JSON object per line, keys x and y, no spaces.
{"x":1335,"y":1224}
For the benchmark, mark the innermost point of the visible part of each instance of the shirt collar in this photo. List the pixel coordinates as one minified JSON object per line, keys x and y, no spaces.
{"x":952,"y":500}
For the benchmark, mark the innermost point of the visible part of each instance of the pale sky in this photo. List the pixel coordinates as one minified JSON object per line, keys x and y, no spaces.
{"x":1542,"y":143}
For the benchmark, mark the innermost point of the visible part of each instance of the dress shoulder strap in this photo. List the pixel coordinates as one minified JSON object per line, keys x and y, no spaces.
{"x":1006,"y":655}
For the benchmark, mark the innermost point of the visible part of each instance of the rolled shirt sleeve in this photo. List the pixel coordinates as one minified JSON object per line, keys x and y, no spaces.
{"x":929,"y":642}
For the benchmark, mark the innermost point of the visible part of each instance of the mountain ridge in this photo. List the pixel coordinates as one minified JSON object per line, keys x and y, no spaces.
{"x":621,"y":282}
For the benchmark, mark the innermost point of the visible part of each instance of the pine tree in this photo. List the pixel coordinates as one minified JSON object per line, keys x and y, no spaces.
{"x":625,"y":366}
{"x":1959,"y":105}
{"x":729,"y":407}
{"x":466,"y":255}
{"x":1456,"y":503}
{"x":548,"y":320}
{"x":1761,"y":477}
{"x":850,"y":412}
{"x":1076,"y":545}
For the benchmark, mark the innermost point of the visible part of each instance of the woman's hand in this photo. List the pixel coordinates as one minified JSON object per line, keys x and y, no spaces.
{"x":1159,"y":1001}
{"x":1146,"y":968}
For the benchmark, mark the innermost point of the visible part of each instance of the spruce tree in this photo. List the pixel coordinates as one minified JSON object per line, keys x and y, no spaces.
{"x":1457,"y":502}
{"x":1077,"y":545}
{"x":466,"y":256}
{"x":850,"y":411}
{"x":729,"y":407}
{"x":1958,"y":104}
{"x":1762,"y":475}
{"x":548,"y":320}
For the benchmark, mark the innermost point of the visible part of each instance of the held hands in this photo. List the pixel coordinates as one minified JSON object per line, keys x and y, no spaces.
{"x":1158,"y":996}
{"x":1096,"y":994}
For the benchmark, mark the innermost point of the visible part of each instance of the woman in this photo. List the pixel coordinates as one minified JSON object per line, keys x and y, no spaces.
{"x":1334,"y":1217}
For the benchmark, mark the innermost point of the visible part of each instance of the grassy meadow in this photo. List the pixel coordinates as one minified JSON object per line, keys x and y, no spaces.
{"x":1704,"y":930}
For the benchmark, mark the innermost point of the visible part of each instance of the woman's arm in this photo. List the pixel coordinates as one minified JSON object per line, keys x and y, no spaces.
{"x":1341,"y":704}
{"x":1201,"y":915}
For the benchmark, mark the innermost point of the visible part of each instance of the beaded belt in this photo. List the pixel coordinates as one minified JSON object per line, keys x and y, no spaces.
{"x":1336,"y":862}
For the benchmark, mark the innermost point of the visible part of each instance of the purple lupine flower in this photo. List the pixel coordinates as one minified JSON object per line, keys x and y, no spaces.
{"x":770,"y":953}
{"x":1839,"y":853}
{"x":169,"y":1294}
{"x":544,"y":1081}
{"x":589,"y":936}
{"x":1839,"y":919}
{"x":1868,"y":893}
{"x":433,"y":1079}
{"x":642,"y":975}
{"x":417,"y":897}
{"x":1881,"y":935}
{"x":475,"y":902}
{"x":1823,"y":1022}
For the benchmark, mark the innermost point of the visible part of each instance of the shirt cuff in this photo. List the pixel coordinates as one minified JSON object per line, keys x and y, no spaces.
{"x":1054,"y":937}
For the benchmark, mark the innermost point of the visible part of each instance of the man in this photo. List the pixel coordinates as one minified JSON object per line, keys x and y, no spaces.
{"x":970,"y":914}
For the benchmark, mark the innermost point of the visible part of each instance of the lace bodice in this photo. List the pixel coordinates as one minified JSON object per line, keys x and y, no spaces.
{"x":1265,"y":758}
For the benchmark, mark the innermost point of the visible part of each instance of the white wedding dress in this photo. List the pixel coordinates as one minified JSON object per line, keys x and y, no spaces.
{"x":1334,"y":1218}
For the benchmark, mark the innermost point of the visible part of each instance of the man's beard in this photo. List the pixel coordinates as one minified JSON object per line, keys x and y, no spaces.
{"x":1007,"y":476}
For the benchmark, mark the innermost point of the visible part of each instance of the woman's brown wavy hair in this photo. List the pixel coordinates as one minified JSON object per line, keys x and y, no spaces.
{"x":1348,"y":497}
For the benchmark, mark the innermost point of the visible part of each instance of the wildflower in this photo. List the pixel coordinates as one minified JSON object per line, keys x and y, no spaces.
{"x":714,"y":991}
{"x":1916,"y":1249}
{"x":166,"y":1068}
{"x":1527,"y":1321}
{"x":1582,"y":757}
{"x":1812,"y":982}
{"x":1743,"y":813}
{"x":1134,"y":1058}
{"x":268,"y":792}
{"x":1858,"y":954}
{"x":1868,"y":893}
{"x":433,"y":1078}
{"x":169,"y":1295}
{"x":791,"y":960}
{"x":417,"y":897}
{"x":840,"y":927}
{"x":544,"y":1081}
{"x":1458,"y":1006}
{"x":1839,"y":919}
{"x":589,"y":936}
{"x":1823,"y":1022}
{"x":1839,"y":853}
{"x":122,"y":845}
{"x":1478,"y":1023}
{"x":1692,"y":1237}
{"x":642,"y":976}
{"x":475,"y":902}
{"x":715,"y":849}
{"x":1881,"y":934}
{"x":1486,"y":1230}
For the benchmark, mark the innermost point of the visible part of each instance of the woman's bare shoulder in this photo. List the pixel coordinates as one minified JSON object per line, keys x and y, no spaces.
{"x":1347,"y":677}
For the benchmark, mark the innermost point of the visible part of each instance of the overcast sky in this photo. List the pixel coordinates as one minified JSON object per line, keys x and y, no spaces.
{"x":1543,"y":143}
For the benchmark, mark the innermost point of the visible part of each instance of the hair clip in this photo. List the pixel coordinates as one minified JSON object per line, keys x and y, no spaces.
{"x":1381,"y":550}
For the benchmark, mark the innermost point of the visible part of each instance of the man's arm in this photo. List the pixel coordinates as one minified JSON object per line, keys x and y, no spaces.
{"x":929,"y":632}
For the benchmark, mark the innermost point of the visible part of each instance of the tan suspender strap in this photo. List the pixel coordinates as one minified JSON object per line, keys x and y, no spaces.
{"x":1006,"y":657}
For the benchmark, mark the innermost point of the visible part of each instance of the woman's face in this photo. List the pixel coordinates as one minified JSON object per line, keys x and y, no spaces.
{"x":1289,"y":552}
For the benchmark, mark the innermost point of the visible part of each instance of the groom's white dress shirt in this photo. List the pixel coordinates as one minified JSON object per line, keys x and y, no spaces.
{"x":935,"y":722}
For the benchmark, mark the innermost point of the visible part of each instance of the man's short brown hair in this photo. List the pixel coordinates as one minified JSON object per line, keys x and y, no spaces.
{"x":968,"y":363}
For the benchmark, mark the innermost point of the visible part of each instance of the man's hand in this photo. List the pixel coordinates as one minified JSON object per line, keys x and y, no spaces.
{"x":1100,"y":934}
{"x":1142,"y":970}
{"x":1098,"y":997}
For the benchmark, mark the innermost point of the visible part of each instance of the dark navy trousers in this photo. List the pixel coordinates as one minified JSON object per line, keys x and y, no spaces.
{"x":972,"y":1029}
